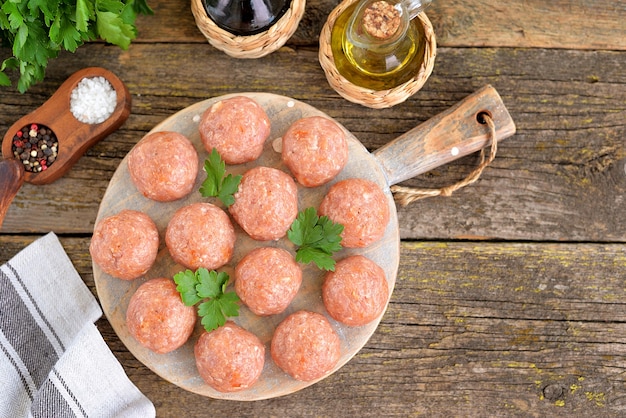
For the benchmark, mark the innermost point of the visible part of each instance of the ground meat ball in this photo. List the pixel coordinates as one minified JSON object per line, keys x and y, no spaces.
{"x":361,"y":207}
{"x":125,"y":245}
{"x":237,"y":128}
{"x":200,"y":235}
{"x":163,"y":166}
{"x":305,"y":346}
{"x":267,"y":279}
{"x":157,"y":318}
{"x":266,"y":203}
{"x":356,"y":292}
{"x":315,"y":150}
{"x":229,"y":358}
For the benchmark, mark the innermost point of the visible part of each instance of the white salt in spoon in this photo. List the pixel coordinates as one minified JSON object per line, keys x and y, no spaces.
{"x":74,"y":137}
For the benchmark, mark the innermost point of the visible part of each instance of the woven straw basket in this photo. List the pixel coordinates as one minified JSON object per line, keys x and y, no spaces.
{"x":377,"y":99}
{"x":252,"y":46}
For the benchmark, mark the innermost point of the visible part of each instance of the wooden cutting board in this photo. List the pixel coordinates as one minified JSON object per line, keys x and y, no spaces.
{"x":179,"y":367}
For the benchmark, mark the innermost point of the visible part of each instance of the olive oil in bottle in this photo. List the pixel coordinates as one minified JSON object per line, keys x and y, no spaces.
{"x":246,"y":17}
{"x":377,"y":45}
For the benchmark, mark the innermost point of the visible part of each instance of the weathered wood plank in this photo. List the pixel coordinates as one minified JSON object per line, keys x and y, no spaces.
{"x":533,"y":23}
{"x":491,"y":23}
{"x":561,"y":177}
{"x":473,"y":329}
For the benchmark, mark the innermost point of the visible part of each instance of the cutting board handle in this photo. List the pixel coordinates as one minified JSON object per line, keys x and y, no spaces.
{"x":450,"y":135}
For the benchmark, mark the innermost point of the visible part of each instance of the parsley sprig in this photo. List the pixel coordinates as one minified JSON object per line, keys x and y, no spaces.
{"x":217,"y":183}
{"x":317,"y":238}
{"x":209,"y":288}
{"x":37,"y":30}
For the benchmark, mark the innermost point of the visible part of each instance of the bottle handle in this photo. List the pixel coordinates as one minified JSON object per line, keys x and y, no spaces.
{"x":416,"y":7}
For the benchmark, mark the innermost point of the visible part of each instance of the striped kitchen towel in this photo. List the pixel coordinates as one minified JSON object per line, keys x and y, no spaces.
{"x":53,"y":360}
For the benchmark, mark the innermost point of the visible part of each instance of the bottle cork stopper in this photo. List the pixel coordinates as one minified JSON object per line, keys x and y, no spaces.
{"x":381,"y":20}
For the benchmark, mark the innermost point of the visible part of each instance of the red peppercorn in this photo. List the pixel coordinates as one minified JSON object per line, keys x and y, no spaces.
{"x":34,"y":127}
{"x":20,"y":133}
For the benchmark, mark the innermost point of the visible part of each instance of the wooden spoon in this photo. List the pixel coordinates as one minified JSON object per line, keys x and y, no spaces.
{"x":11,"y":179}
{"x":74,"y":137}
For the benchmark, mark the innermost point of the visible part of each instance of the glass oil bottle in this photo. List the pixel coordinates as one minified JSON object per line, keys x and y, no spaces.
{"x":377,"y":44}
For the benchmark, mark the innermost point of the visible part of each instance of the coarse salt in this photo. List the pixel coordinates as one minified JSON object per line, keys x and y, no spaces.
{"x":93,"y":100}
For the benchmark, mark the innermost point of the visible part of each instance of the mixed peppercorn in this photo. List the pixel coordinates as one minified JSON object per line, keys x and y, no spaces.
{"x":36,"y":146}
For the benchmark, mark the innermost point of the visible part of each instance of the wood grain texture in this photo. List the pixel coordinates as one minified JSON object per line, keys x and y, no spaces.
{"x":598,"y":24}
{"x":489,"y":329}
{"x":561,"y":176}
{"x":510,"y":295}
{"x":567,"y":24}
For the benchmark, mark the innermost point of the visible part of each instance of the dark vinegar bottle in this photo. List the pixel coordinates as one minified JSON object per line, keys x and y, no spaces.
{"x":246,"y":17}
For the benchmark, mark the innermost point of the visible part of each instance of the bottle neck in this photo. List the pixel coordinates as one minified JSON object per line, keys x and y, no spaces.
{"x":382,"y":24}
{"x":378,"y":24}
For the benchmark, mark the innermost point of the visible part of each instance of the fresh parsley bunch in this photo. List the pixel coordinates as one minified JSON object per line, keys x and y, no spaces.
{"x":37,"y":30}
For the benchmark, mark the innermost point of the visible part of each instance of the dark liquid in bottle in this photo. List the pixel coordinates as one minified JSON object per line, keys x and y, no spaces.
{"x":246,"y":17}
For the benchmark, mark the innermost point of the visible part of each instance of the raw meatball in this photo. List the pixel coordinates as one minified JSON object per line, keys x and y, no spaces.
{"x":237,"y":128}
{"x":356,"y":292}
{"x":315,"y":150}
{"x":267,"y":279}
{"x":229,"y":358}
{"x":163,"y":166}
{"x":305,"y":346}
{"x":266,"y":203}
{"x":361,"y":207}
{"x":125,"y":245}
{"x":200,"y":235}
{"x":157,"y":317}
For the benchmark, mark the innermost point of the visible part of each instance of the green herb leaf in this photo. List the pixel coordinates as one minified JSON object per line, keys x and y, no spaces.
{"x":209,"y":288}
{"x":141,"y":7}
{"x":216,"y":183}
{"x":215,"y":311}
{"x":113,"y":29}
{"x":228,"y":304}
{"x":186,"y":285}
{"x":210,"y":283}
{"x":230,"y":185}
{"x":211,"y":314}
{"x":317,"y":238}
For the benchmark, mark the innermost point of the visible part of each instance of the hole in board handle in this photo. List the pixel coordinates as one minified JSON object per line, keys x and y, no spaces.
{"x":480,"y":116}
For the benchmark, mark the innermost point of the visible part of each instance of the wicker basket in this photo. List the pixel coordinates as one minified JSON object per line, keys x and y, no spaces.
{"x":377,"y":99}
{"x":252,"y":46}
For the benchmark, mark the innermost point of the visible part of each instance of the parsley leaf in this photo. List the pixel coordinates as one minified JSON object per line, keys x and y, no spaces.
{"x":186,"y":285}
{"x":317,"y":237}
{"x":211,"y":314}
{"x":209,"y":288}
{"x":217,"y":183}
{"x":210,"y":285}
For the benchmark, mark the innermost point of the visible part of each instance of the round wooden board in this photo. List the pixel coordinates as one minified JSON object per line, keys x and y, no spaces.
{"x":179,"y":366}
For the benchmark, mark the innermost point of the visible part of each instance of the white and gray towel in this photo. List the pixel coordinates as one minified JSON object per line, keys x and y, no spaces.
{"x":53,"y":360}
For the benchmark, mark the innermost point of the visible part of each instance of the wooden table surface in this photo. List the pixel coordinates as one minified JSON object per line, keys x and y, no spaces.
{"x":511,"y":295}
